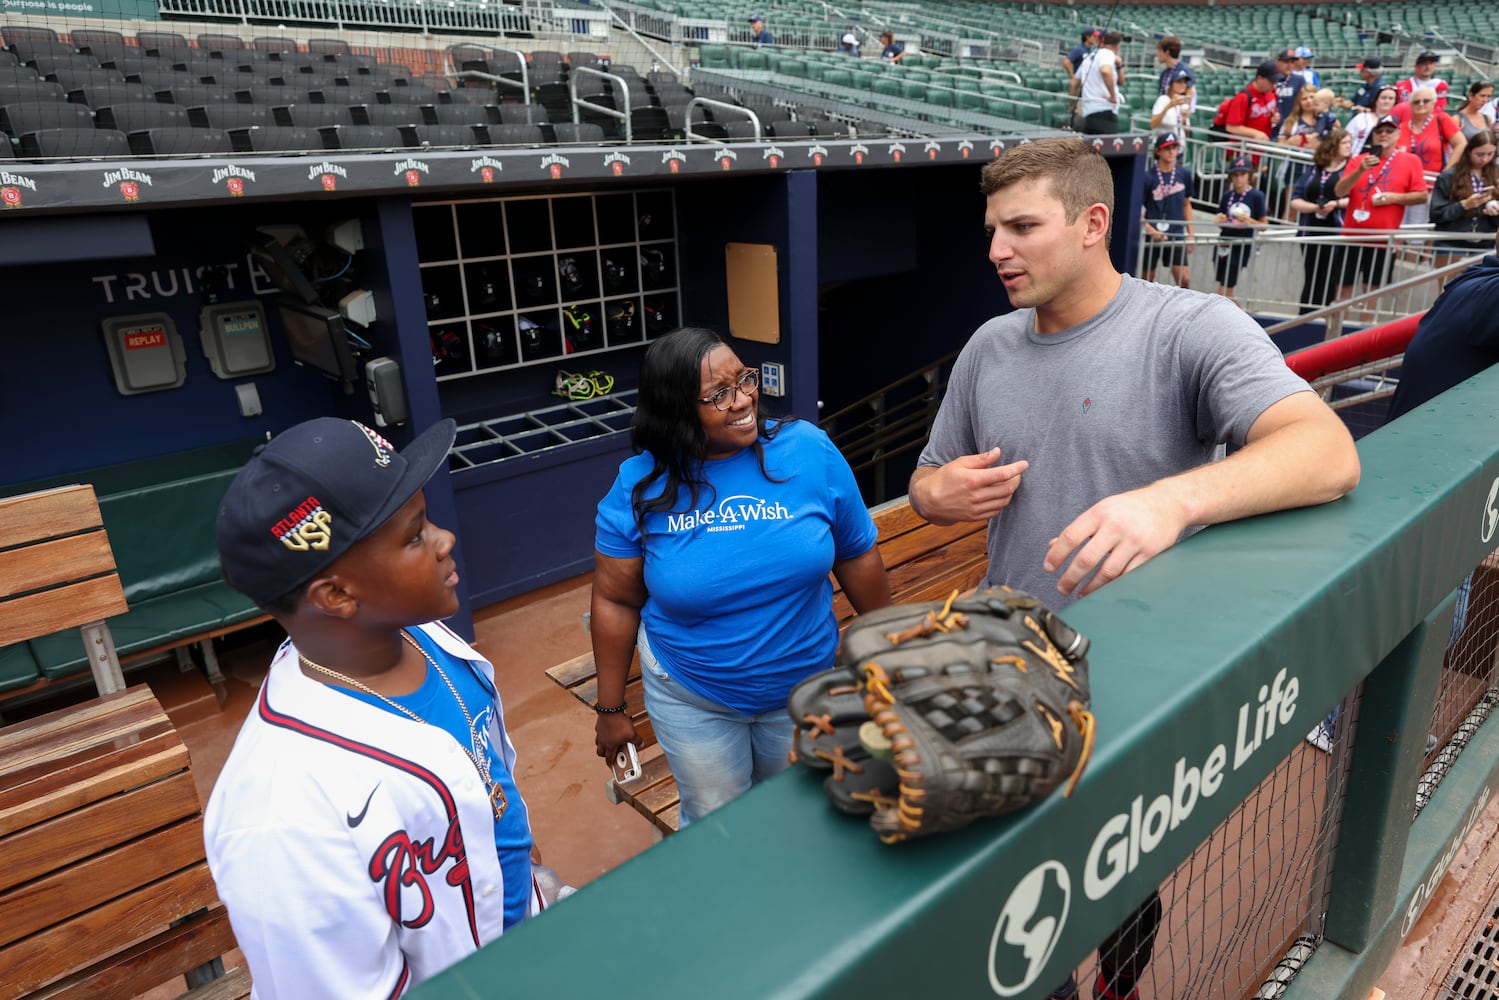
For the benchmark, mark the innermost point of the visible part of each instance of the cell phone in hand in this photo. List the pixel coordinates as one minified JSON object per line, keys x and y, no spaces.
{"x":626,"y":763}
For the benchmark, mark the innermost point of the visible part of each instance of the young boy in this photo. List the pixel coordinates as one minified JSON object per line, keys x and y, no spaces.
{"x":365,"y":832}
{"x":1242,"y":207}
{"x":1169,"y":190}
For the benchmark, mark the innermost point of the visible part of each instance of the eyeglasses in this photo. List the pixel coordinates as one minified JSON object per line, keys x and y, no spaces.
{"x":1425,"y":100}
{"x":747,"y":383}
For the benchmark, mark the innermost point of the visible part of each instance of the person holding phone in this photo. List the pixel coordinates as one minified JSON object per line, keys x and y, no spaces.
{"x":1378,"y":185}
{"x":712,"y":554}
{"x":1465,"y":199}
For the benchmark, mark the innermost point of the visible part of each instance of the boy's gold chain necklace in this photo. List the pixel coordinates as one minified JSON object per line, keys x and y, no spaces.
{"x":497,"y":799}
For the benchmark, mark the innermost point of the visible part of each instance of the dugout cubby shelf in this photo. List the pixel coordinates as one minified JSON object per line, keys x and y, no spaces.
{"x":484,"y":442}
{"x":513,"y":282}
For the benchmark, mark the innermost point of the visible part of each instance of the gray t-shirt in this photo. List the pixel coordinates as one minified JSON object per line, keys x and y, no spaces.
{"x":1155,"y":384}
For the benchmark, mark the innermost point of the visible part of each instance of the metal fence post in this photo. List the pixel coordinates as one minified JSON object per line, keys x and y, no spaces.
{"x":1387,"y":757}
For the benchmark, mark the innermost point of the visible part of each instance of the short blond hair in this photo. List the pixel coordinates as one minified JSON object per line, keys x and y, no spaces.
{"x":1079,"y":176}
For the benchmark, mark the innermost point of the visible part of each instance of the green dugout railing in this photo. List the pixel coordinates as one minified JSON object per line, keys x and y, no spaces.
{"x":1209,"y":666}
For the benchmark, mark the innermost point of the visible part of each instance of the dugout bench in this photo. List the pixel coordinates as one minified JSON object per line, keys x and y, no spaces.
{"x":159,"y":514}
{"x":105,"y":889}
{"x":924,"y":562}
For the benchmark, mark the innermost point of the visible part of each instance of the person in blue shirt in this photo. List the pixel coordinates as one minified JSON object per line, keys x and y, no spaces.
{"x":894,"y":51}
{"x":712,"y":553}
{"x":1291,"y":82}
{"x":1369,"y":72}
{"x":759,"y":34}
{"x":849,"y":45}
{"x":1074,"y":58}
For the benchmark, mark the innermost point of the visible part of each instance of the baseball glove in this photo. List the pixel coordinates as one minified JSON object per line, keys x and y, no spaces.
{"x":944,"y":712}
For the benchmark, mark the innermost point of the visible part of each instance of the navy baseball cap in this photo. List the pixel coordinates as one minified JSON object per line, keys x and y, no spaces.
{"x":1166,"y":139}
{"x":1373,"y":62}
{"x":1386,"y":121}
{"x":1243,"y":163}
{"x":1428,"y":57}
{"x":755,"y":17}
{"x":1270,"y":71}
{"x":310,"y":494}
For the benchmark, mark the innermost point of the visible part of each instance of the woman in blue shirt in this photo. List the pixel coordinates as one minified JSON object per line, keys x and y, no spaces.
{"x":712,"y":554}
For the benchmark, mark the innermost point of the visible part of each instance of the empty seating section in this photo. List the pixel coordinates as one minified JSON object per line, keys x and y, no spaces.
{"x":170,"y":93}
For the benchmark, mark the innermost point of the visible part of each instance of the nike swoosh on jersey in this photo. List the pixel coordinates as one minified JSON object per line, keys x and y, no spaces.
{"x":356,"y":820}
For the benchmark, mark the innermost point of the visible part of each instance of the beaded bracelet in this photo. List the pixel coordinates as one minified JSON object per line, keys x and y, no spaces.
{"x":610,"y":711}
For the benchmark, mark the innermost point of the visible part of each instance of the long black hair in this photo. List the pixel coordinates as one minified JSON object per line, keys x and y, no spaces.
{"x":666,"y":423}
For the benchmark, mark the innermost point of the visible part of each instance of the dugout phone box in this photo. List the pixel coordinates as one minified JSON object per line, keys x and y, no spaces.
{"x":235,"y":339}
{"x":145,"y":352}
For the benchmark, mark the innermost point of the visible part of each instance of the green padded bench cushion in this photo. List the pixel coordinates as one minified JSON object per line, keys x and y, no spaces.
{"x":17,"y":667}
{"x":163,"y":534}
{"x":151,"y":623}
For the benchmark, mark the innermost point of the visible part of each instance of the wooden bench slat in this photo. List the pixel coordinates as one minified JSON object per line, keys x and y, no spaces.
{"x":61,"y":608}
{"x":896,"y":518}
{"x":232,"y":985}
{"x":41,"y":958}
{"x":55,"y":562}
{"x":89,"y":778}
{"x":47,"y":514}
{"x":63,"y":894}
{"x":62,"y":840}
{"x":123,"y":708}
{"x":153,"y":962}
{"x":915,"y":544}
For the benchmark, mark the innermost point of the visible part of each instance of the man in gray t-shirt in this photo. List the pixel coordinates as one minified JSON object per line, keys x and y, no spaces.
{"x":1110,"y":400}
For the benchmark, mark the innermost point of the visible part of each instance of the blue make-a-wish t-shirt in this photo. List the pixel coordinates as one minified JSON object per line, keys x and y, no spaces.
{"x":738,"y":602}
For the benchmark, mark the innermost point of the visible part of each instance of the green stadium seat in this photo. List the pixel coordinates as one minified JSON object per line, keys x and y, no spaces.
{"x":714,"y":57}
{"x":913,"y":91}
{"x":887,"y":87}
{"x":940,"y":98}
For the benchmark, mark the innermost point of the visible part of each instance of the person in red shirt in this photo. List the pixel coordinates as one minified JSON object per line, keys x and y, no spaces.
{"x":1425,"y":76}
{"x":1428,"y":133}
{"x":1254,"y":112}
{"x":1378,"y":185}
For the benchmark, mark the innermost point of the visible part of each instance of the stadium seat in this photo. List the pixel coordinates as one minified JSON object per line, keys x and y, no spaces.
{"x":328,"y":46}
{"x":69,"y":142}
{"x":575,"y":132}
{"x":100,"y":95}
{"x":273,"y":43}
{"x":274,"y":139}
{"x":73,"y":76}
{"x":311,"y":115}
{"x":88,"y":39}
{"x":19,"y":119}
{"x":388,"y":115}
{"x":363,"y":137}
{"x":129,"y":118}
{"x":517,"y":135}
{"x":230,"y":115}
{"x":179,"y":141}
{"x":154,"y":42}
{"x":649,"y":124}
{"x":14,"y":34}
{"x":7,"y":150}
{"x":459,"y":114}
{"x":830,"y":129}
{"x":32,"y":91}
{"x":740,"y":131}
{"x":220,"y":43}
{"x":711,"y":131}
{"x":790,"y":130}
{"x":838,"y":78}
{"x":523,"y":114}
{"x":450,"y":135}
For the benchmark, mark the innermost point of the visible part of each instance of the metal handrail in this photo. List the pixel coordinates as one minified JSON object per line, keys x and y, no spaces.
{"x":708,"y":102}
{"x":881,"y":432}
{"x":577,"y":102}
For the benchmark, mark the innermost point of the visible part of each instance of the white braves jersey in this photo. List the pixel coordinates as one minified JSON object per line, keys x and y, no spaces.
{"x":353,"y":848}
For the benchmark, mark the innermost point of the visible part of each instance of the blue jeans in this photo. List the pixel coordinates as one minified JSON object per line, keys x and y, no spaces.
{"x":715,"y":752}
